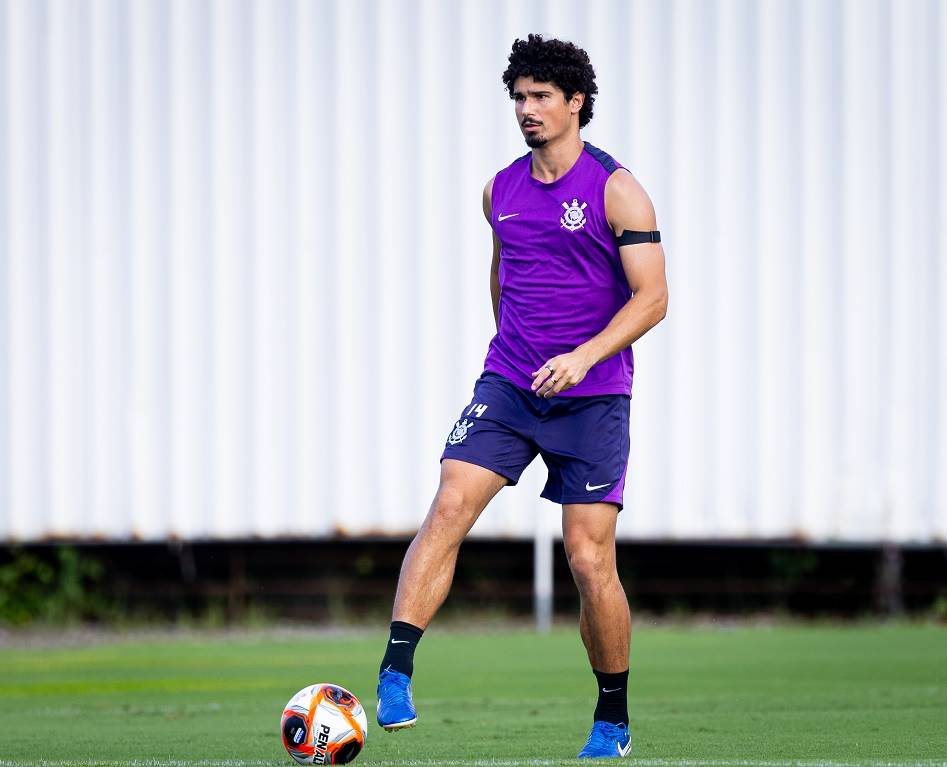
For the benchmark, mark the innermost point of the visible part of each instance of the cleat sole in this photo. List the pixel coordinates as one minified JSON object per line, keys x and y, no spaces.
{"x":399,"y":725}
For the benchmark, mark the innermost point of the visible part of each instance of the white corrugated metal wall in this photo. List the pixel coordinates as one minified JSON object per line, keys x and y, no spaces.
{"x":243,"y":268}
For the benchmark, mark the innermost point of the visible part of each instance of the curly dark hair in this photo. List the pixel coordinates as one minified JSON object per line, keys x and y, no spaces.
{"x":554,"y":61}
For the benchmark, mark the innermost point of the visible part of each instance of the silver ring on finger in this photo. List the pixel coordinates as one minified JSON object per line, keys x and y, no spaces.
{"x":550,"y":368}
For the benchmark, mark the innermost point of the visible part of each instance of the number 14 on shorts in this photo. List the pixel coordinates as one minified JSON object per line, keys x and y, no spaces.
{"x":477,"y":408}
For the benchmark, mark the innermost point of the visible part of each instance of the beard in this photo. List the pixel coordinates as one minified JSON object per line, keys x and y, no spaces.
{"x":533,"y":140}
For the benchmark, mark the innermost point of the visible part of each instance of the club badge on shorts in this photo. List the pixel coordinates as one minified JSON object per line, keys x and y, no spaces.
{"x":459,"y":434}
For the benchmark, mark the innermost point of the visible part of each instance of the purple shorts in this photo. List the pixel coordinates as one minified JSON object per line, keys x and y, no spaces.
{"x":584,"y":441}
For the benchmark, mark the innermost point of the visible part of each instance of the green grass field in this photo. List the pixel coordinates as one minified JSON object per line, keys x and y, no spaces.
{"x":744,"y":696}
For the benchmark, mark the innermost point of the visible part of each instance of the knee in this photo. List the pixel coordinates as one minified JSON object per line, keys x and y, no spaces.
{"x":451,"y":513}
{"x":592,"y":565}
{"x":449,"y":502}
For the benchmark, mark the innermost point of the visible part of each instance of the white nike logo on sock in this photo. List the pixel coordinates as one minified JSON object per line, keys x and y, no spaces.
{"x":401,"y":641}
{"x":615,"y":690}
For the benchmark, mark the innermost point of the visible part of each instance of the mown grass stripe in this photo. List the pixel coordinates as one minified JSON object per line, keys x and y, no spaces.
{"x":633,"y":762}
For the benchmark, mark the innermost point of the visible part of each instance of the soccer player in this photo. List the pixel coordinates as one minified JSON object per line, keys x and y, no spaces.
{"x":577,"y":277}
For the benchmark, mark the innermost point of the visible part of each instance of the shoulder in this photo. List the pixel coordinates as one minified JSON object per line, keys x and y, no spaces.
{"x":609,"y":164}
{"x":513,"y":166}
{"x":497,"y":179}
{"x":627,"y":204}
{"x":488,"y":198}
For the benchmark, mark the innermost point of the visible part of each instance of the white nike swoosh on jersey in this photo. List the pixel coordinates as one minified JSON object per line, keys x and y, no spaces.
{"x":590,"y":488}
{"x":401,"y":641}
{"x":501,"y":217}
{"x":615,"y":690}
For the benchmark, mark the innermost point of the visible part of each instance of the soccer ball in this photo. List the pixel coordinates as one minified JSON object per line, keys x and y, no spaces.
{"x":323,"y":724}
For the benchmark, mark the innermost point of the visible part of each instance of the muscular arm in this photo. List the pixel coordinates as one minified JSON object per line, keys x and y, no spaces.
{"x":495,"y":263}
{"x":627,"y":206}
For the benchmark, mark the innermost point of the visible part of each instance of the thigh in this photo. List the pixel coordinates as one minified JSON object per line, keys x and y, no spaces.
{"x":464,"y":491}
{"x":585,"y":444}
{"x":494,"y":430}
{"x":467,"y":487}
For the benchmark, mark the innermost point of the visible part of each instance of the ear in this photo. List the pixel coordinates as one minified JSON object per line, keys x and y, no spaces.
{"x":576,"y":102}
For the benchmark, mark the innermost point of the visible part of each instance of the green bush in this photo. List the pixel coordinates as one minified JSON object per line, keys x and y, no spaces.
{"x":61,"y":589}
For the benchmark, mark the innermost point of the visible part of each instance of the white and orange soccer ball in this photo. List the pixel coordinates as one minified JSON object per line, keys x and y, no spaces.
{"x":324,"y":724}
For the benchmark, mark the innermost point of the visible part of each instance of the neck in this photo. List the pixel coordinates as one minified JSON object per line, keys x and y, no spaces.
{"x":553,"y":160}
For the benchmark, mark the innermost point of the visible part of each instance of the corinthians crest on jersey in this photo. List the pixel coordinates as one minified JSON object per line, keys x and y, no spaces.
{"x":574,"y":217}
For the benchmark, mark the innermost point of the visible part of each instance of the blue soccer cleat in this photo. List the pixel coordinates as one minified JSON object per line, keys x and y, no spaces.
{"x":395,"y":706}
{"x":607,"y":740}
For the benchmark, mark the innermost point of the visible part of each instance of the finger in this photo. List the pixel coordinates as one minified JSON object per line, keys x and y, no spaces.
{"x":546,"y":367}
{"x":539,"y":379}
{"x":541,"y":375}
{"x":542,"y":385}
{"x":552,"y":386}
{"x":567,"y":382}
{"x":563,"y":380}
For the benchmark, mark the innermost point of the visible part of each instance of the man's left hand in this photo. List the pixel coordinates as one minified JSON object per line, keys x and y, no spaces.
{"x":561,"y":372}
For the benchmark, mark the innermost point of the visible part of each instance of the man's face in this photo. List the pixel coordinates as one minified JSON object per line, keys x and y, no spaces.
{"x":542,"y":110}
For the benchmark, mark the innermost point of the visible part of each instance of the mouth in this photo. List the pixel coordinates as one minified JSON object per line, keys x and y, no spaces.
{"x":531,"y":126}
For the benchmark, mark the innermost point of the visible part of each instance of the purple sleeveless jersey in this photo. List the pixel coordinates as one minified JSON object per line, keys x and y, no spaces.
{"x":561,"y":277}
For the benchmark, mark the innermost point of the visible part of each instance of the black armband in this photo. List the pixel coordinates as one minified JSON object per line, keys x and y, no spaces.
{"x":629,"y":237}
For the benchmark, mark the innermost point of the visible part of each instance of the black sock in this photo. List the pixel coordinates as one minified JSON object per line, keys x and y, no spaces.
{"x":612,"y":697}
{"x":399,"y":653}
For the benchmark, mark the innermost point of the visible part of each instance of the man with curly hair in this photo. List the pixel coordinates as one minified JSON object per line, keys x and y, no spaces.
{"x":577,"y":276}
